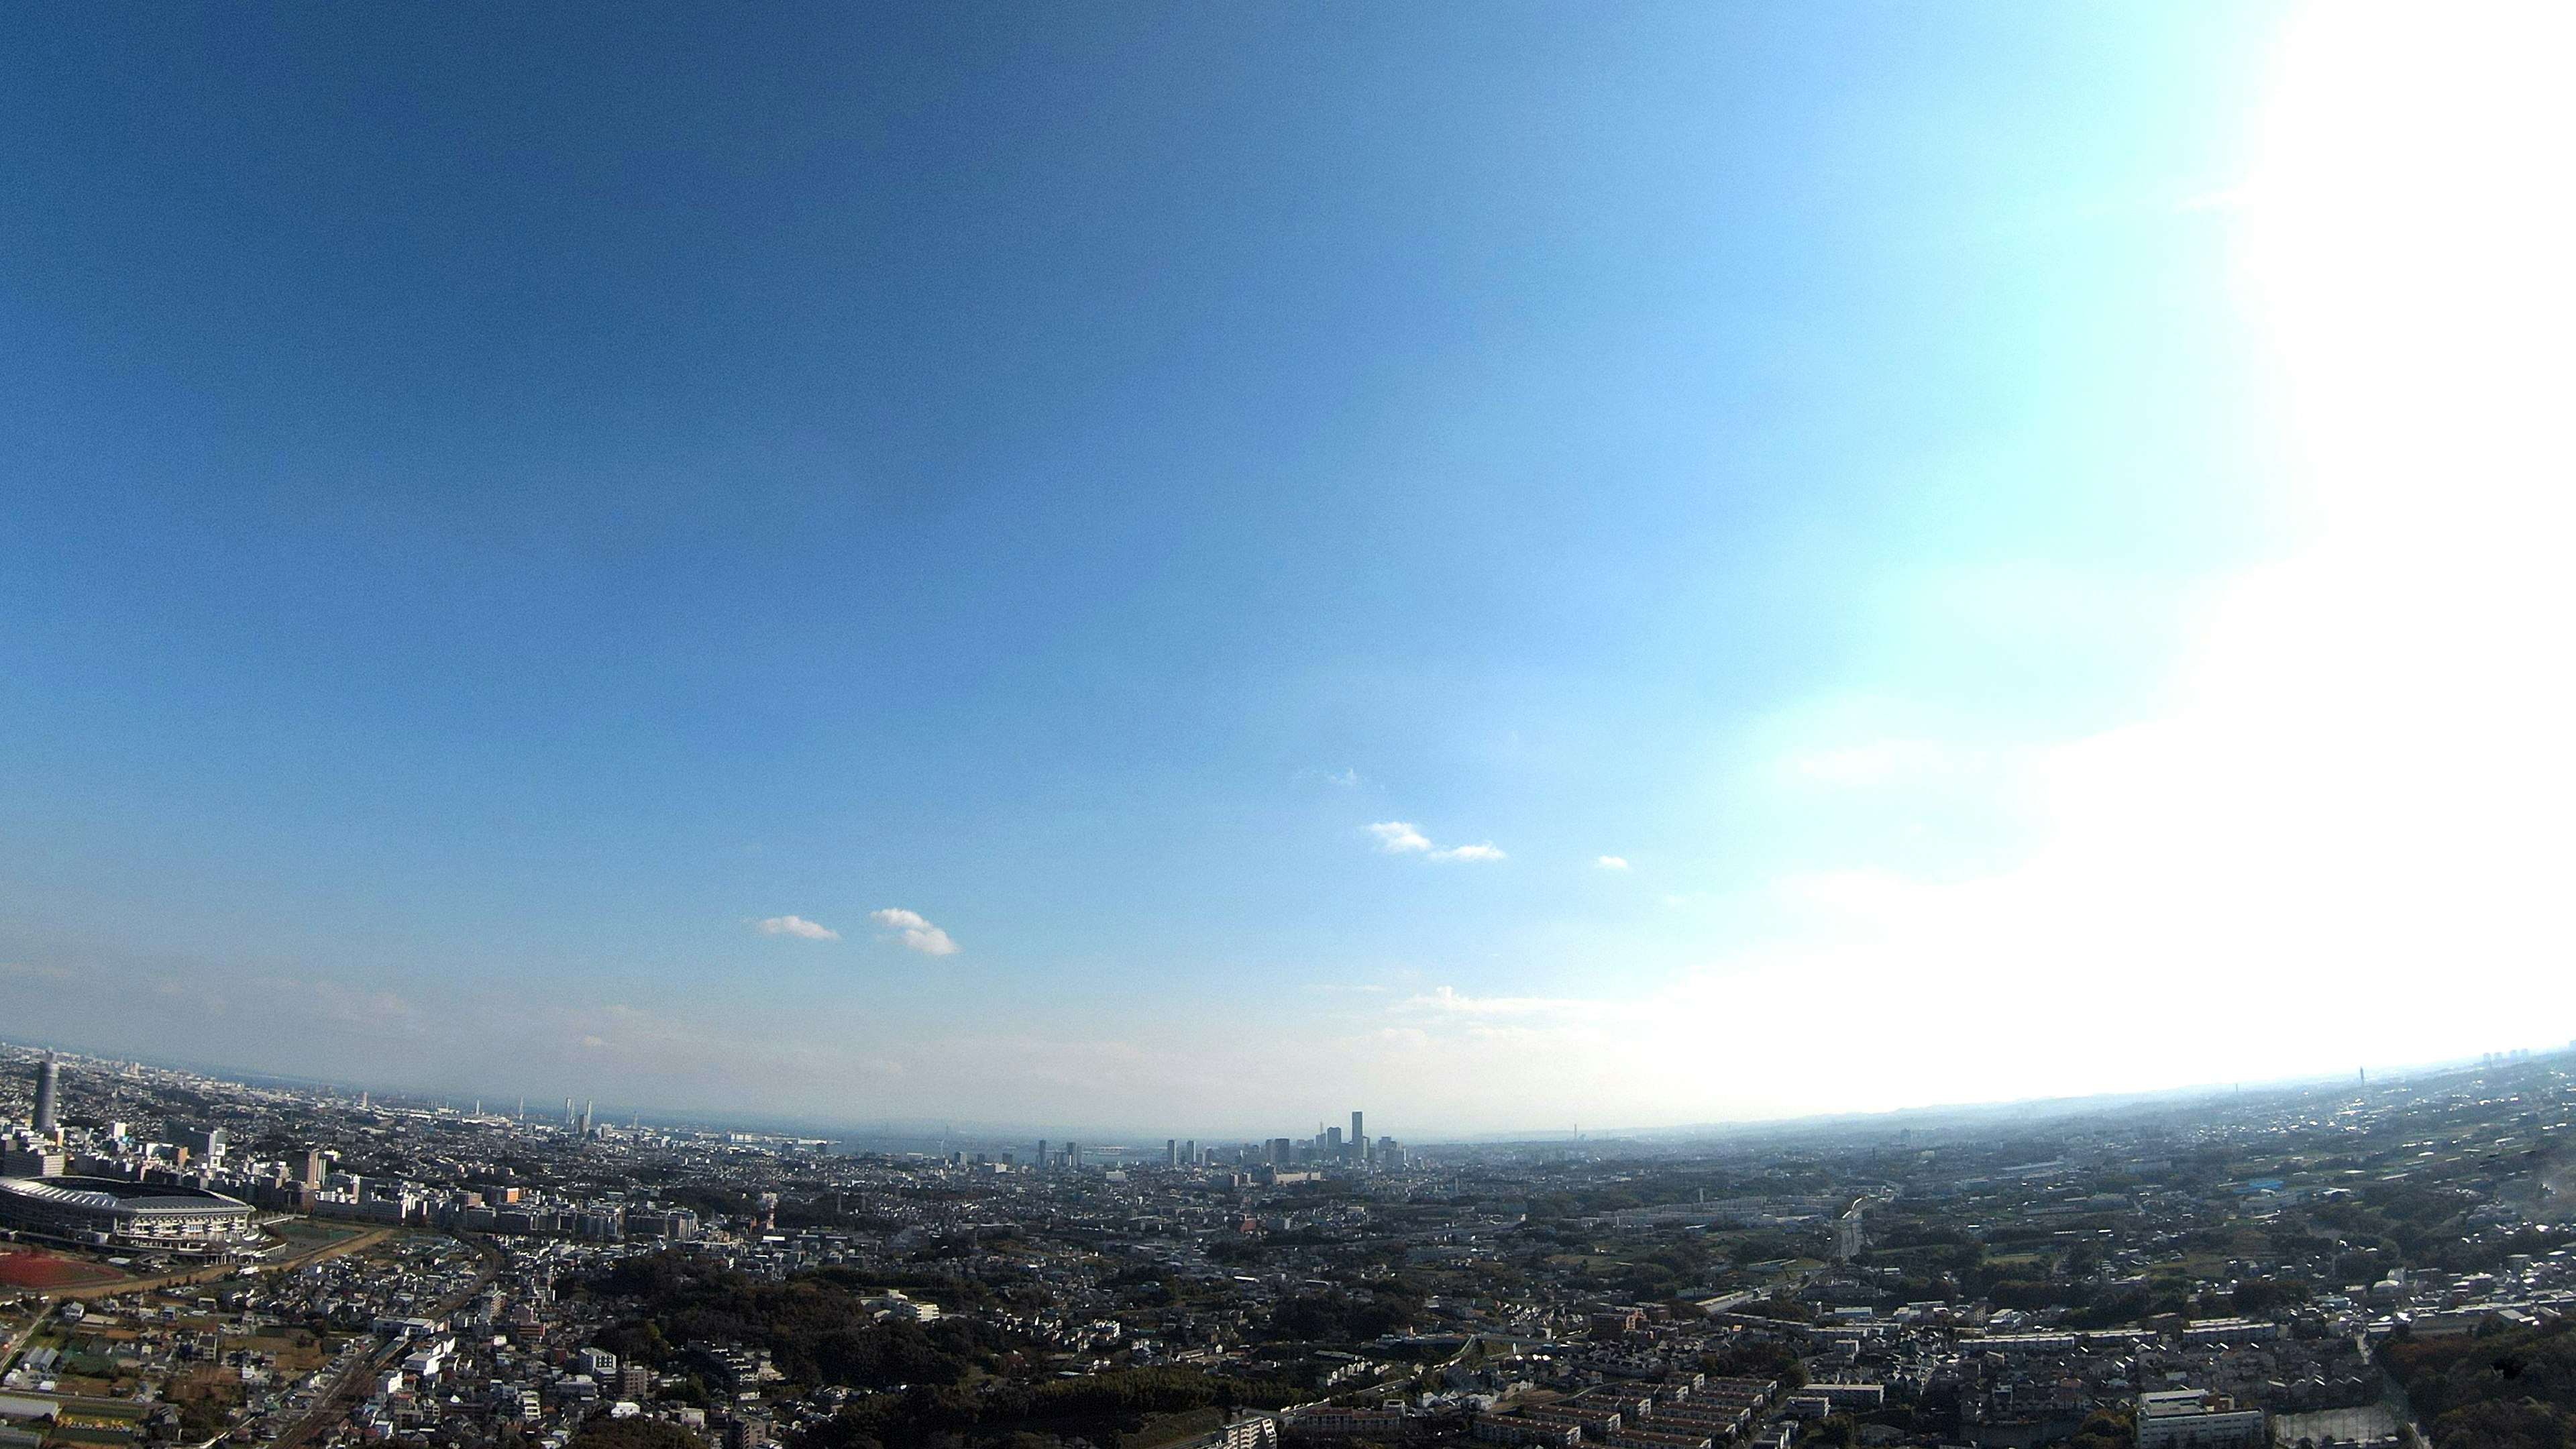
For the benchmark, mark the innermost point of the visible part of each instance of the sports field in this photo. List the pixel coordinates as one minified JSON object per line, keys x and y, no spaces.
{"x":35,"y":1268}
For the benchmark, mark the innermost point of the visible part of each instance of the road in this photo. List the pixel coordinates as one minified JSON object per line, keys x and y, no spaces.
{"x":18,"y":1340}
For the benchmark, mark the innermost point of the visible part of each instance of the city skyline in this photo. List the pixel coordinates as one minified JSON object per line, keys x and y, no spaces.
{"x":1511,"y":567}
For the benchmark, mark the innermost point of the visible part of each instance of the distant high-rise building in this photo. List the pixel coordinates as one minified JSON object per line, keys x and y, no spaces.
{"x":1073,"y":1156}
{"x":204,"y":1144}
{"x":1171,"y":1152}
{"x":1042,"y":1157}
{"x":1359,"y":1140}
{"x":1190,"y":1153}
{"x":1283,"y":1151}
{"x":585,"y":1117}
{"x":49,"y":1084}
{"x":308,"y":1167}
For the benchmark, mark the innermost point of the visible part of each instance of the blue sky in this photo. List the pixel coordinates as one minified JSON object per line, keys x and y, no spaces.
{"x":501,"y":502}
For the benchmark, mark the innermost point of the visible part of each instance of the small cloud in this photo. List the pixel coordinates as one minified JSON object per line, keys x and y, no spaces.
{"x":1447,"y":1001}
{"x":45,"y":973}
{"x":1399,"y":837}
{"x":1612,"y":862}
{"x":795,"y":926}
{"x":915,"y":933}
{"x":1344,"y":778}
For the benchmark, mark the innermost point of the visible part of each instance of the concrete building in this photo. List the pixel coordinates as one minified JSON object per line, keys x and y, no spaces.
{"x":49,"y":1083}
{"x":203,"y":1144}
{"x":27,"y":1155}
{"x":2191,"y":1419}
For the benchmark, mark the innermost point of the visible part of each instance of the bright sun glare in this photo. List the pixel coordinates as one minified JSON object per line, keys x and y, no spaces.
{"x":2358,"y":819}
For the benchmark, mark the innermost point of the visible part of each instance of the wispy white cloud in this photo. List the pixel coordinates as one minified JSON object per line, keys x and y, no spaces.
{"x":1400,"y":837}
{"x":795,"y":926}
{"x":916,"y":933}
{"x":1448,"y":1001}
{"x":1612,"y":862}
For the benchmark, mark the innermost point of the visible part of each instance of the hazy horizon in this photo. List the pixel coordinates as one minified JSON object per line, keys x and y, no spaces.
{"x":849,"y":1132}
{"x":1491,"y":565}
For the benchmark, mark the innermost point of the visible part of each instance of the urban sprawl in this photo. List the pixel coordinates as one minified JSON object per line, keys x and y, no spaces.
{"x":190,"y":1260}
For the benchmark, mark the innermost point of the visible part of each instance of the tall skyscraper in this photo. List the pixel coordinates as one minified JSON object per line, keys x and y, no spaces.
{"x":1042,"y":1157}
{"x":49,"y":1084}
{"x":1171,"y":1152}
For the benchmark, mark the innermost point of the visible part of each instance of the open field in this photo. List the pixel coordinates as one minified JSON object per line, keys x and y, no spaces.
{"x":46,"y":1271}
{"x":302,"y":1236}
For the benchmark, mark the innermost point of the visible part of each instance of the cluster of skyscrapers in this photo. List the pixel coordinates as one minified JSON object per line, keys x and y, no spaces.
{"x":1330,"y":1147}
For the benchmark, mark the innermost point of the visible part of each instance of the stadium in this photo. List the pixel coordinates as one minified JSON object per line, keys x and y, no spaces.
{"x":108,"y":1212}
